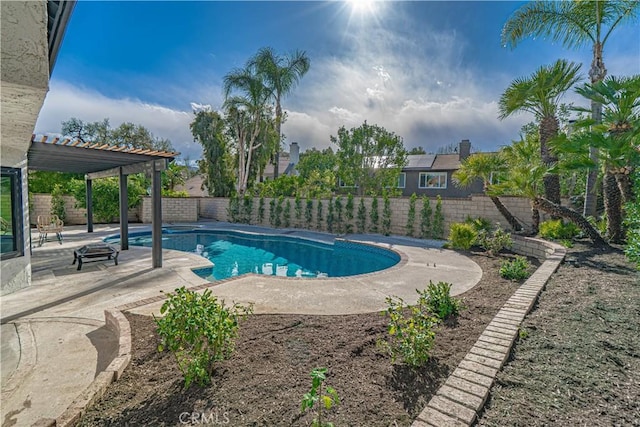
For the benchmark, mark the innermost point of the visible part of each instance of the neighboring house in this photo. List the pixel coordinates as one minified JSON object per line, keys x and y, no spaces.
{"x":31,"y":33}
{"x":431,"y":174}
{"x":287,"y":164}
{"x":194,"y":186}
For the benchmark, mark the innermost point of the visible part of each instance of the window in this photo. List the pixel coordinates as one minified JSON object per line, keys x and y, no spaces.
{"x":11,"y":241}
{"x":342,"y":184}
{"x":432,"y":180}
{"x":402,"y":178}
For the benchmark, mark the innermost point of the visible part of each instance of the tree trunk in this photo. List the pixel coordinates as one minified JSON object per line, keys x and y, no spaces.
{"x":513,"y":222}
{"x":625,"y":185}
{"x":549,"y":130}
{"x":276,"y":163}
{"x":535,"y":221}
{"x":556,"y":210}
{"x":613,"y":208}
{"x":597,"y":73}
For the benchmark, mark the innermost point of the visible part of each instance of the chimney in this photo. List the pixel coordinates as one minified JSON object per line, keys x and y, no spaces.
{"x":465,"y":149}
{"x":294,"y":153}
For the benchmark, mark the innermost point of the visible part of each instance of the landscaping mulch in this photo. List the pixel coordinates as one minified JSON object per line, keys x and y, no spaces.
{"x":262,"y":384}
{"x":578,"y":360}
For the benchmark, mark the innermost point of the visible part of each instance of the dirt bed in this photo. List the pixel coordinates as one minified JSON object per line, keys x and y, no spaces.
{"x":263,"y":382}
{"x":578,"y":362}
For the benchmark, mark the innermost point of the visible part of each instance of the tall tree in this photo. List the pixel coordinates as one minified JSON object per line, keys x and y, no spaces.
{"x":575,"y":23}
{"x":249,"y":117}
{"x":316,"y":160}
{"x":280,"y":74}
{"x":540,"y":94}
{"x":369,"y":157}
{"x":209,"y":129}
{"x":487,"y":167}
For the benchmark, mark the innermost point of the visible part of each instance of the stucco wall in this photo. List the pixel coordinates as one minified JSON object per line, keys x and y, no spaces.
{"x":24,"y":79}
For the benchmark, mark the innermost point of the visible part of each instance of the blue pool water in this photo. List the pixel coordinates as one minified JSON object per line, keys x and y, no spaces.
{"x":235,"y":253}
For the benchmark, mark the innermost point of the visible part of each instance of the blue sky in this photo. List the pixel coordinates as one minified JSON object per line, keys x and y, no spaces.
{"x":430,"y":71}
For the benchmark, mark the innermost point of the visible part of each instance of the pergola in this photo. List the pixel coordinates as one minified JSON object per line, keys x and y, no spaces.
{"x":98,"y":160}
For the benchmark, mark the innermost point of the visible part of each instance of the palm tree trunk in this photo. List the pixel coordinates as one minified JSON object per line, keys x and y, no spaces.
{"x":276,"y":163}
{"x":556,"y":210}
{"x":549,"y":130}
{"x":623,"y":178}
{"x":597,"y":73}
{"x":613,"y":208}
{"x":535,"y":221}
{"x":513,"y":222}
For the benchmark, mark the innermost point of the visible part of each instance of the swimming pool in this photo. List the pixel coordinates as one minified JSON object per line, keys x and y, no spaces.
{"x":235,"y":253}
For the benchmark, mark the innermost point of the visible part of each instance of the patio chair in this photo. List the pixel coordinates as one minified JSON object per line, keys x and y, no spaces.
{"x":49,"y":224}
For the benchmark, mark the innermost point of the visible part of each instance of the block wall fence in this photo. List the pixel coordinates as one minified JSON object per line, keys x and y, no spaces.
{"x":216,"y":208}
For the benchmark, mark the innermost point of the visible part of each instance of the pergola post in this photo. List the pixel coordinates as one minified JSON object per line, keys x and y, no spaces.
{"x":124,"y":212}
{"x":89,"y":200}
{"x":156,"y":219}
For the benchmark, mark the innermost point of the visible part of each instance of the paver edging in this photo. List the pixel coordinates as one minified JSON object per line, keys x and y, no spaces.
{"x":436,"y":413}
{"x":117,"y":323}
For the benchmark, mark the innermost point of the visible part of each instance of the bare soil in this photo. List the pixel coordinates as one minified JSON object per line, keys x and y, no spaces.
{"x":578,"y":360}
{"x":263,"y":382}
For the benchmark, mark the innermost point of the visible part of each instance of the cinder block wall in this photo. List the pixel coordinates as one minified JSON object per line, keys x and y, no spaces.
{"x":173,"y":209}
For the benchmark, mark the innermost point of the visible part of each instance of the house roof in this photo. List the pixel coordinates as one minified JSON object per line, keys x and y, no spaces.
{"x":419,"y":161}
{"x":446,"y":162}
{"x":193,"y":186}
{"x":86,"y":157}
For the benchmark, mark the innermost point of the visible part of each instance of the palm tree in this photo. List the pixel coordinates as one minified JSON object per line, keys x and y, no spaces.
{"x":575,"y":23}
{"x":281,"y":74}
{"x":485,"y":166}
{"x":525,"y":179}
{"x":249,"y":116}
{"x":613,"y":140}
{"x":540,"y":94}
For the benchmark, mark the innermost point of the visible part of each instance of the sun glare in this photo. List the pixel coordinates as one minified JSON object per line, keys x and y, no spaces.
{"x":362,"y":6}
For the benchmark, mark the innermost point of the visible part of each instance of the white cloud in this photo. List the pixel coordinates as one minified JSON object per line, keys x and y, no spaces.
{"x":65,"y":100}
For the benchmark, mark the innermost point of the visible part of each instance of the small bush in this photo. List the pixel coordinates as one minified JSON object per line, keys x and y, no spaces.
{"x":479,"y":224}
{"x":462,"y":236}
{"x":558,"y":230}
{"x":439,"y":300}
{"x":494,"y":242}
{"x":318,"y":399}
{"x":517,"y":269}
{"x":199,"y":331}
{"x":411,"y":338}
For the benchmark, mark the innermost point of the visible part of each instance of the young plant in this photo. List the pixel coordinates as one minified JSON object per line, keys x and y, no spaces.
{"x":260,"y":210}
{"x":557,"y":229}
{"x":494,"y":242}
{"x":319,"y":214}
{"x":411,"y":337}
{"x":279,"y":209}
{"x":361,"y":220}
{"x":479,"y":223}
{"x":373,"y":215}
{"x":516,"y":270}
{"x":319,"y":398}
{"x":411,"y":215}
{"x":462,"y":235}
{"x":247,"y":209}
{"x":348,"y":214}
{"x":272,"y":212}
{"x":308,"y":212}
{"x":386,"y":215}
{"x":437,"y":226}
{"x":298,"y":210}
{"x":339,"y":215}
{"x":199,"y":330}
{"x":440,"y":302}
{"x":286,"y":214}
{"x":234,"y":208}
{"x":330,"y":216}
{"x":425,"y":218}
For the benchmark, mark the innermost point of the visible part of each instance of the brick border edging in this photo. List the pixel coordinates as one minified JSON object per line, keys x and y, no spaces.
{"x":119,"y":325}
{"x":461,"y":398}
